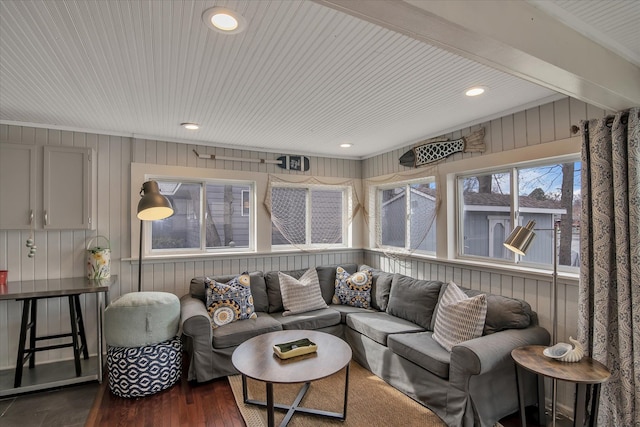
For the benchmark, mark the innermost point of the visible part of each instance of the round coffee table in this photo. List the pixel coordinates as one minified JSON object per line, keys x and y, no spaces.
{"x":255,"y":359}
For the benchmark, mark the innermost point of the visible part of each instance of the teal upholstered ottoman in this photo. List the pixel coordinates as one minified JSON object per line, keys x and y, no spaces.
{"x":144,"y":351}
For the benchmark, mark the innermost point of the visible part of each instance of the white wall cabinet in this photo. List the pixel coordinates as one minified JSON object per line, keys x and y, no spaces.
{"x":17,"y":186}
{"x":62,"y":197}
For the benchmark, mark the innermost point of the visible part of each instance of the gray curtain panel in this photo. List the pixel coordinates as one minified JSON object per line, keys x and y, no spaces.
{"x":609,"y":293}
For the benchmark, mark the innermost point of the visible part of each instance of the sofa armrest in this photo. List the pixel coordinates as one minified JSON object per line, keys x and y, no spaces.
{"x":481,"y":355}
{"x":194,"y":318}
{"x":196,"y":326}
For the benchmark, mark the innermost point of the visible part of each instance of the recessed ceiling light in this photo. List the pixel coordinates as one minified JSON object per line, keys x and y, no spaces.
{"x":346,"y":145}
{"x":475,"y":91}
{"x":190,"y":126}
{"x":224,"y":20}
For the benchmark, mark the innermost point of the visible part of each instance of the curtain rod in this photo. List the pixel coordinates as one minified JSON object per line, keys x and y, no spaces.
{"x":624,"y":117}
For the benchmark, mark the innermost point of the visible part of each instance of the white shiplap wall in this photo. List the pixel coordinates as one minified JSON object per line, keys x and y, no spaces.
{"x":62,"y":253}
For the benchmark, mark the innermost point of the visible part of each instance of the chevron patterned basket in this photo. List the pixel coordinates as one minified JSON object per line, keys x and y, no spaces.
{"x":141,"y":371}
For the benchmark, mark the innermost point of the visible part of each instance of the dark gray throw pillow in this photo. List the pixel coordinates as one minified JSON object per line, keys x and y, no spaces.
{"x":380,"y":287}
{"x":413,"y":300}
{"x":504,"y":312}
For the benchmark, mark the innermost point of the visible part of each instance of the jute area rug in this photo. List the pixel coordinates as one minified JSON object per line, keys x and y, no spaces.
{"x":371,"y":402}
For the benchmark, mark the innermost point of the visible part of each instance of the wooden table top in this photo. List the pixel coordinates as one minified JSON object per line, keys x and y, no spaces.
{"x":255,"y":357}
{"x":46,"y":288}
{"x":586,"y":371}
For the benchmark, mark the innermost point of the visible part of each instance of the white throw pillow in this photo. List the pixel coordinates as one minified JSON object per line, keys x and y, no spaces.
{"x":459,"y":318}
{"x":301,"y":295}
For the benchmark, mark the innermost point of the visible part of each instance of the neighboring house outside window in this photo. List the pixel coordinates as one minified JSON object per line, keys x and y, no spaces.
{"x":209,"y":216}
{"x":405,"y":215}
{"x":547,"y":193}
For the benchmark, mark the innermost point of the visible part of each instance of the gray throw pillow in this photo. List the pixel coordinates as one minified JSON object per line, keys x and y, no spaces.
{"x":300,"y":296}
{"x":413,"y":300}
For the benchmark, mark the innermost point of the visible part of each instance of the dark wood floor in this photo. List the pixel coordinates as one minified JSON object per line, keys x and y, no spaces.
{"x":186,"y":404}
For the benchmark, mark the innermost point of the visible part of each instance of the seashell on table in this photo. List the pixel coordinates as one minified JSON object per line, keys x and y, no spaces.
{"x":565,"y":352}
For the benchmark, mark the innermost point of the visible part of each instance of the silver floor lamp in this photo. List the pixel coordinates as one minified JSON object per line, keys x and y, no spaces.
{"x":519,"y":241}
{"x":151,"y":207}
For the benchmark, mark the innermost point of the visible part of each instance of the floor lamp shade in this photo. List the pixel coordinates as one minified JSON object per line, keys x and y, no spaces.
{"x":520,"y":238}
{"x":152,"y":206}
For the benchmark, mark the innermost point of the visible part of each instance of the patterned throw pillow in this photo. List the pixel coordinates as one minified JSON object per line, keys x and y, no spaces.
{"x":231,"y":301}
{"x":354,"y":289}
{"x":301,"y":295}
{"x":459,"y":318}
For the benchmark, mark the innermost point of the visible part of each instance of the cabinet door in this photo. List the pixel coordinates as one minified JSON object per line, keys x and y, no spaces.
{"x":17,"y":186}
{"x":67,"y":188}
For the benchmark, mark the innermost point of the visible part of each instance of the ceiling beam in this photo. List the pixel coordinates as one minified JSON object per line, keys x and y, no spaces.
{"x":514,"y":37}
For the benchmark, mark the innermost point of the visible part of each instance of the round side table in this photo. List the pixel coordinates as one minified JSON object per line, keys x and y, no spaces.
{"x":586,"y":371}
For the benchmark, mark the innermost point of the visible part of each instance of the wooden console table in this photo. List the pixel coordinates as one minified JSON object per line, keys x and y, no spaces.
{"x":29,"y":292}
{"x":586,"y":371}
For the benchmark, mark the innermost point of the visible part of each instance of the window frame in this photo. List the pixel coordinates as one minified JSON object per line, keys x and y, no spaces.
{"x":347,"y":232}
{"x":377,"y":233}
{"x":514,"y":213}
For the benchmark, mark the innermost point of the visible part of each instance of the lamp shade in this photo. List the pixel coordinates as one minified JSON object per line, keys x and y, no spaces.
{"x":520,"y":238}
{"x":153,"y":205}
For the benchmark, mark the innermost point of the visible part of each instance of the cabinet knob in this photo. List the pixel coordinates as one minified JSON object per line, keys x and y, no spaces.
{"x":46,"y":218}
{"x":31,"y":217}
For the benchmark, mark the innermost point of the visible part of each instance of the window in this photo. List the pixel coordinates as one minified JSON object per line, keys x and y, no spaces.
{"x":547,"y":193}
{"x":208,"y":216}
{"x":313,"y":215}
{"x":405,"y":216}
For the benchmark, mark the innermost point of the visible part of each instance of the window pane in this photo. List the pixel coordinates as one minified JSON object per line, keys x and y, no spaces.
{"x":288,"y":216}
{"x":227,"y":226}
{"x":486,"y":220}
{"x":422,"y":219}
{"x":393,"y":217}
{"x":551,"y":194}
{"x":182,"y":229}
{"x":326,"y":216}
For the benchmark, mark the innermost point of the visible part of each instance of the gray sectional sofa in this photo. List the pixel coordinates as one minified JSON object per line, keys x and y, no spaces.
{"x":473,"y":385}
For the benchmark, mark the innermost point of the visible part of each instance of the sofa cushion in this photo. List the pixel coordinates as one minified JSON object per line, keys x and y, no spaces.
{"x":413,"y":300}
{"x":236,"y":333}
{"x":310,"y":320}
{"x":380,"y":287}
{"x":460,"y":318}
{"x":353,"y":289}
{"x":345,"y":310}
{"x":504,"y":313}
{"x":423,"y":350}
{"x":258,"y":288}
{"x":379,"y":325}
{"x":231,"y":301}
{"x":300,"y":296}
{"x":326,"y":277}
{"x":273,"y":288}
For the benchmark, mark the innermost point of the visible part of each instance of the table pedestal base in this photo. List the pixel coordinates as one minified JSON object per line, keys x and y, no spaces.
{"x":294,"y":407}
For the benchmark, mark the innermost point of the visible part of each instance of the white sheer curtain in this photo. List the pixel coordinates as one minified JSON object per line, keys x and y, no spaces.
{"x":609,"y":295}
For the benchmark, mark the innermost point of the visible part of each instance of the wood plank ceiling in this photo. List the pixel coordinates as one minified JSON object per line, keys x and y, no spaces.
{"x":302,"y":78}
